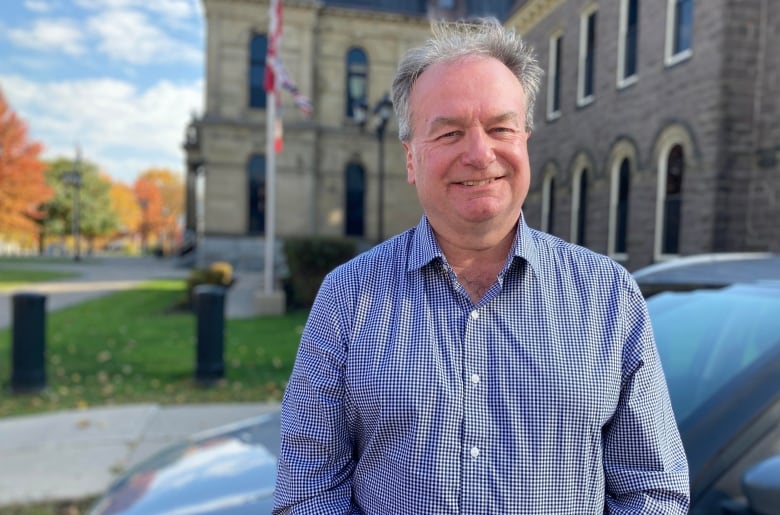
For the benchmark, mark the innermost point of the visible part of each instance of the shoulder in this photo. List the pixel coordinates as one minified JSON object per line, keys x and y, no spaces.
{"x":582,"y":266}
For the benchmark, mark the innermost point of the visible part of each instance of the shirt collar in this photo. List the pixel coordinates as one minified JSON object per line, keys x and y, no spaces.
{"x":425,"y":248}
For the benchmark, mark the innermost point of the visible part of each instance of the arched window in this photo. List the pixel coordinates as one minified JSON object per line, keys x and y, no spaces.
{"x":258,"y":48}
{"x":672,"y":204}
{"x":257,"y":192}
{"x":355,"y":207}
{"x":548,"y":203}
{"x":621,"y":186}
{"x":580,"y":207}
{"x":357,"y":81}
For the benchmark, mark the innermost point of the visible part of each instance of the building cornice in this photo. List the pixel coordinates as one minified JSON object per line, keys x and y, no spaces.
{"x":530,"y":14}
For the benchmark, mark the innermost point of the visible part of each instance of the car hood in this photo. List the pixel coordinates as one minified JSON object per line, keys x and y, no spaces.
{"x":228,"y":470}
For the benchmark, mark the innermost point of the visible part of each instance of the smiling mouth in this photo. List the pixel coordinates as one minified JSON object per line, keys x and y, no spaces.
{"x":483,"y":182}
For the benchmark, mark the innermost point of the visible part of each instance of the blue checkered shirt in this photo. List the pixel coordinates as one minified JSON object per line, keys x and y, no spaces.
{"x":545,"y":397}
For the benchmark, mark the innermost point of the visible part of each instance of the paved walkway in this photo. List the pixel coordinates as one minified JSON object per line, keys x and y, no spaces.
{"x":101,"y":276}
{"x":75,"y":454}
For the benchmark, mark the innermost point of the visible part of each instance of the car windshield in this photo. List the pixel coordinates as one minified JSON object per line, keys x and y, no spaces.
{"x":706,"y":338}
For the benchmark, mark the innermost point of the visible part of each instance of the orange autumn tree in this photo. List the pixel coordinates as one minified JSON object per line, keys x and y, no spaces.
{"x":23,"y":187}
{"x":163,"y":220}
{"x":149,"y":199}
{"x":126,"y":207}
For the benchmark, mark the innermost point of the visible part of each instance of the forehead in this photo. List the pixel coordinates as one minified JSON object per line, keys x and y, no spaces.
{"x":467,"y":85}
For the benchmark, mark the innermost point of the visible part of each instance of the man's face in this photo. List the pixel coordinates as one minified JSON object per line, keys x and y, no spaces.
{"x":467,"y":155}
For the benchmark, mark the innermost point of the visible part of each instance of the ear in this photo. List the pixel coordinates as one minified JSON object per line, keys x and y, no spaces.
{"x":409,"y":164}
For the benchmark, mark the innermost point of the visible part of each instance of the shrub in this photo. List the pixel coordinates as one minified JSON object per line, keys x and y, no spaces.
{"x":308,"y":261}
{"x":219,"y":273}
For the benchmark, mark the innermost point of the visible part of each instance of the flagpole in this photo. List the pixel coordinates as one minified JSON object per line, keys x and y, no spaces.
{"x":270,"y":188}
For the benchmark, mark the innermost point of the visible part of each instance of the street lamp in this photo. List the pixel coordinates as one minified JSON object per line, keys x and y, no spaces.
{"x":382,"y":112}
{"x":73,"y":177}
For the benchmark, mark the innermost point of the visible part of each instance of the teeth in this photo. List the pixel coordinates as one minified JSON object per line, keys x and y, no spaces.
{"x":477,"y":183}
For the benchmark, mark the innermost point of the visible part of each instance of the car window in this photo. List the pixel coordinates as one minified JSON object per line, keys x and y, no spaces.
{"x":706,"y":338}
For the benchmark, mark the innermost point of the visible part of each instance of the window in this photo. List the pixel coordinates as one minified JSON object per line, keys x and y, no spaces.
{"x":258,"y":48}
{"x":554,"y":77}
{"x":548,"y":203}
{"x":256,"y":189}
{"x":355,"y":200}
{"x":672,"y":203}
{"x":619,"y":194}
{"x":580,"y":207}
{"x":679,"y":30}
{"x":628,"y":45}
{"x":357,"y":83}
{"x":587,"y":75}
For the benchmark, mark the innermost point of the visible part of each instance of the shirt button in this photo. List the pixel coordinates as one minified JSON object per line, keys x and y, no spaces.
{"x":474,"y":452}
{"x":475,"y":314}
{"x":475,"y":378}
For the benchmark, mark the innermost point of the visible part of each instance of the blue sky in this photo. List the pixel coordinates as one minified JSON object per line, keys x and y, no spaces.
{"x":119,"y":78}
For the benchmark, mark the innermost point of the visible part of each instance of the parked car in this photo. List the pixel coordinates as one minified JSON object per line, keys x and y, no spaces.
{"x":720,"y":349}
{"x":707,"y":271}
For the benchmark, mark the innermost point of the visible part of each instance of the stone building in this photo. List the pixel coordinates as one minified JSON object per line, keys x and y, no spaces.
{"x":342,"y":55}
{"x":657,"y":129}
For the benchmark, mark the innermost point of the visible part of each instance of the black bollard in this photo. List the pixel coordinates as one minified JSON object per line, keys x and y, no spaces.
{"x":210,"y":314}
{"x":28,"y":348}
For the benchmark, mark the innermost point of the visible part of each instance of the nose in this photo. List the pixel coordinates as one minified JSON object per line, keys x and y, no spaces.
{"x":478,"y":150}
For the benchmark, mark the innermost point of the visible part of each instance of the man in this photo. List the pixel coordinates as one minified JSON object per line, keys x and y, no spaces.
{"x":472,"y":364}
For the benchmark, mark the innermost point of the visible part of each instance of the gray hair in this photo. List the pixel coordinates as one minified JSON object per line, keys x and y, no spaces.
{"x":453,"y":40}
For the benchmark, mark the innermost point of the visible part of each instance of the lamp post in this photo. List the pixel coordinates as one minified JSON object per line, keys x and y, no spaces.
{"x":382,"y":112}
{"x":73,"y":177}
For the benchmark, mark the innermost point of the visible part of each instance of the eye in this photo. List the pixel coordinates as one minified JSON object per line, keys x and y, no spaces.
{"x":448,"y":135}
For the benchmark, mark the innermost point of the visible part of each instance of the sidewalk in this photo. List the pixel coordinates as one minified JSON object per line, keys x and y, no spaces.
{"x":75,"y":454}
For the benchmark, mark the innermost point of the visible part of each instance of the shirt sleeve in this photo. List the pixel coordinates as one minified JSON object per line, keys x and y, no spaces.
{"x":645,"y":466}
{"x":315,"y":457}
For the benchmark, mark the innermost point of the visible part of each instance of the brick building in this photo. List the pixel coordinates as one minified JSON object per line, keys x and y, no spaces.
{"x":657,"y":129}
{"x":341,"y":54}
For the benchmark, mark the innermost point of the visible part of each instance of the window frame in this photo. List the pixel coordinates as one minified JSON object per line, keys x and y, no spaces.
{"x":624,"y":80}
{"x":554,"y":75}
{"x":587,"y":55}
{"x":673,"y":56}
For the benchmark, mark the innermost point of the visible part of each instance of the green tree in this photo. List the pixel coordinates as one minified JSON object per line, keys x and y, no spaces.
{"x":96,"y":215}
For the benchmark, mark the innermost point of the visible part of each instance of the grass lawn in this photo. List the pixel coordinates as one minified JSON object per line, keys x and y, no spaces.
{"x":134,"y":346}
{"x":13,"y":277}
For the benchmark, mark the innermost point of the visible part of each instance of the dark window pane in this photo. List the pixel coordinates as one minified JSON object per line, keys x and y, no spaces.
{"x":357,"y":80}
{"x":583,"y":208}
{"x":556,"y":93}
{"x":683,"y":25}
{"x":355,"y":200}
{"x":590,"y":57}
{"x":632,"y":39}
{"x":258,"y":48}
{"x":551,"y":210}
{"x":673,"y":201}
{"x":257,"y":192}
{"x":621,"y":227}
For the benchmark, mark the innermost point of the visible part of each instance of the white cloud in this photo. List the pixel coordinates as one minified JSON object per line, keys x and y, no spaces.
{"x":50,"y":34}
{"x":123,"y":130}
{"x":169,"y":9}
{"x":38,"y":6}
{"x":129,"y":36}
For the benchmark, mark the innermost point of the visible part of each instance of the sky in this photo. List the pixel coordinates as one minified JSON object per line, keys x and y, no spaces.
{"x":118,"y":78}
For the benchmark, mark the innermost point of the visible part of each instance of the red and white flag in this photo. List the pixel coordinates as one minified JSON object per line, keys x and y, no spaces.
{"x":276,"y":77}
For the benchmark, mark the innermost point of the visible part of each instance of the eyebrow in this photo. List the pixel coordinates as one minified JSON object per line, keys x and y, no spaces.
{"x":448,"y":121}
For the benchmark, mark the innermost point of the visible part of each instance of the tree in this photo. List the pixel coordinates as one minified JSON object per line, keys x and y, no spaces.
{"x":161,"y":215}
{"x":23,"y":187}
{"x":126,"y":207}
{"x":95,"y":214}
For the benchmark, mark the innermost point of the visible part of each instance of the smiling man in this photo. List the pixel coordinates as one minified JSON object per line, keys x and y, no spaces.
{"x":472,"y":364}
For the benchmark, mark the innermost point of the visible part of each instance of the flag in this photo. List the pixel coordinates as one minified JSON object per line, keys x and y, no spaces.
{"x":276,"y":77}
{"x":274,"y":40}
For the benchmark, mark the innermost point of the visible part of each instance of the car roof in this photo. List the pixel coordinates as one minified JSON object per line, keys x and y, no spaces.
{"x":707,"y":271}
